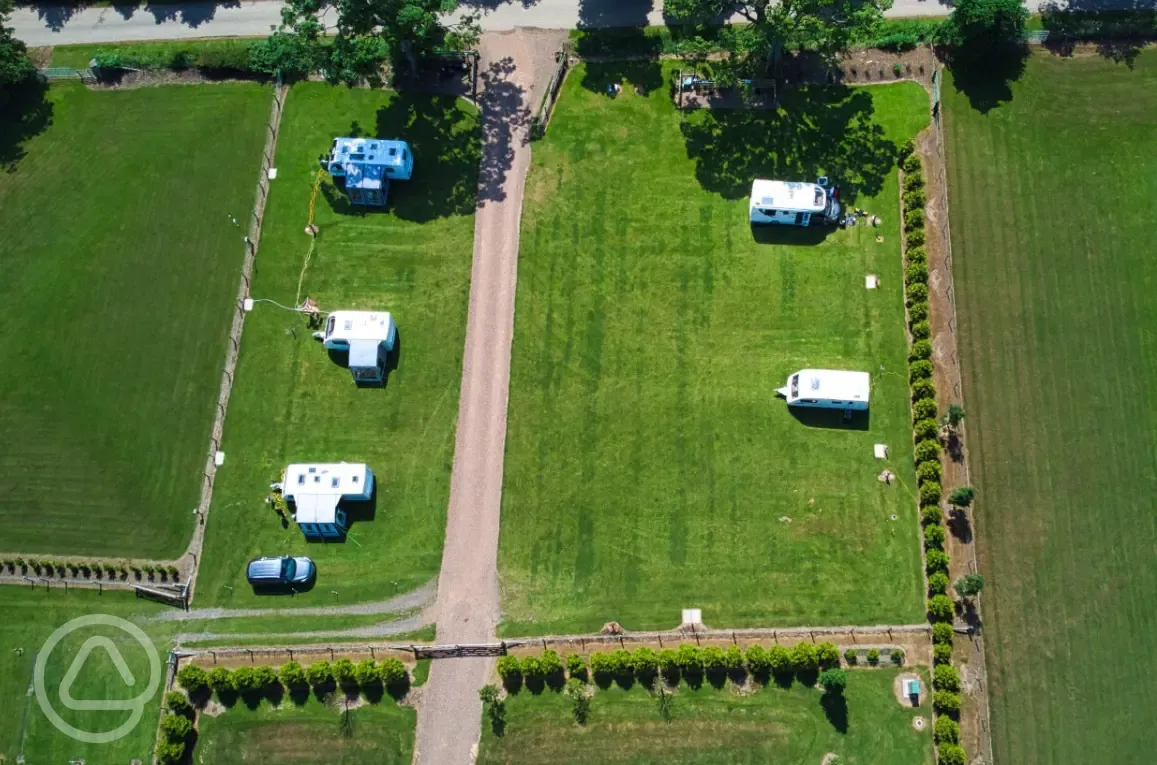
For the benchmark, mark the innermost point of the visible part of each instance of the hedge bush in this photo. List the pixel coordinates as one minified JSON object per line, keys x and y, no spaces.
{"x":850,"y":656}
{"x":343,"y":672}
{"x":916,"y":255}
{"x":936,"y":561}
{"x":392,"y":671}
{"x":914,"y":219}
{"x":828,"y":655}
{"x":919,"y":370}
{"x":914,"y":237}
{"x":170,"y":752}
{"x":576,"y":666}
{"x":952,"y":754}
{"x":733,"y":659}
{"x":927,"y":450}
{"x":915,"y":273}
{"x":921,"y":330}
{"x":914,"y":180}
{"x":929,"y":493}
{"x":192,"y":678}
{"x":757,"y":660}
{"x":934,"y":537}
{"x":689,"y":658}
{"x":176,"y":727}
{"x":907,"y":149}
{"x":644,"y":661}
{"x":780,"y":659}
{"x":931,"y":514}
{"x":946,"y":678}
{"x":177,"y":703}
{"x":946,"y":702}
{"x":319,"y":673}
{"x":925,"y":429}
{"x":938,"y":585}
{"x":929,"y":470}
{"x":292,"y":675}
{"x":805,"y":657}
{"x":873,"y":656}
{"x":509,"y":667}
{"x":921,"y":350}
{"x":897,"y":656}
{"x":221,"y":680}
{"x":917,"y":293}
{"x":942,"y":652}
{"x":911,"y":162}
{"x":668,"y":660}
{"x":941,"y":632}
{"x":946,"y":730}
{"x":940,"y":608}
{"x":713,"y":658}
{"x":914,"y":199}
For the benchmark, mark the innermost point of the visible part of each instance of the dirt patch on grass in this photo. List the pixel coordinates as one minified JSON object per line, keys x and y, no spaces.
{"x":213,"y":709}
{"x":880,"y":66}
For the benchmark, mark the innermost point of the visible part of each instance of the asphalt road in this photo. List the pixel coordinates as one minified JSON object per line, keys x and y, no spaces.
{"x":60,"y":25}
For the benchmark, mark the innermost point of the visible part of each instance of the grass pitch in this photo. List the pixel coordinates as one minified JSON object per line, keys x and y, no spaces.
{"x":649,"y":464}
{"x":292,"y":403}
{"x":118,"y":272}
{"x":1053,"y":223}
{"x":713,"y":726}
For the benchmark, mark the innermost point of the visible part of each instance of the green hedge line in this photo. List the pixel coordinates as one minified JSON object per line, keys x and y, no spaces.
{"x":88,"y":570}
{"x":209,"y":56}
{"x":365,"y":674}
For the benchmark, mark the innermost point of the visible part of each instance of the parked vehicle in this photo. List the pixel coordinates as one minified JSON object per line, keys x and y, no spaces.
{"x":284,"y":571}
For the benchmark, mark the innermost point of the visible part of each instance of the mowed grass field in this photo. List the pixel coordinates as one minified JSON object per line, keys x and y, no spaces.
{"x":307,"y":734}
{"x":118,"y":272}
{"x":30,"y":617}
{"x":709,"y":726}
{"x":649,"y":464}
{"x":1053,"y":225}
{"x":292,"y":403}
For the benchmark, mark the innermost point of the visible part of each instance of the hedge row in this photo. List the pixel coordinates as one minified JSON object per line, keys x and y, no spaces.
{"x":686,"y":659}
{"x":208,"y":56}
{"x":926,"y":435}
{"x":86,"y":570}
{"x":322,"y":674}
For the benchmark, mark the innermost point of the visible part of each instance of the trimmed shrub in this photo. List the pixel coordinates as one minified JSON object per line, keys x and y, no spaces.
{"x":916,"y":255}
{"x":921,"y":349}
{"x":170,"y":752}
{"x":221,"y":680}
{"x":929,"y":493}
{"x":907,"y":149}
{"x":946,"y":678}
{"x":946,"y":731}
{"x":934,"y":537}
{"x":914,"y":237}
{"x":916,"y":273}
{"x":509,"y":667}
{"x":601,"y":664}
{"x":343,"y":672}
{"x":690,"y":659}
{"x":873,"y":656}
{"x":925,"y":429}
{"x":914,"y":199}
{"x":942,"y":652}
{"x":897,"y":656}
{"x":914,"y":179}
{"x":828,"y":655}
{"x":392,"y":672}
{"x":227,"y":55}
{"x":910,"y":162}
{"x":805,"y":657}
{"x":914,"y":218}
{"x":919,"y":370}
{"x":645,"y":661}
{"x":931,"y":514}
{"x":264,"y":676}
{"x":319,"y":673}
{"x":733,"y":659}
{"x":621,"y":661}
{"x":936,"y":562}
{"x":178,"y":703}
{"x":952,"y":754}
{"x":292,"y":675}
{"x":929,"y":470}
{"x":917,"y":293}
{"x":940,"y":608}
{"x":668,"y":660}
{"x":938,"y":585}
{"x":576,"y":666}
{"x":531,"y":667}
{"x":245,"y":679}
{"x":551,"y":663}
{"x":780,"y":659}
{"x":758,"y":662}
{"x":946,"y":702}
{"x":713,"y":658}
{"x":176,"y":727}
{"x":851,"y":657}
{"x":921,"y":331}
{"x":834,"y":680}
{"x":192,"y":678}
{"x":942,"y":632}
{"x":922,"y":389}
{"x":366,"y":673}
{"x":927,"y":451}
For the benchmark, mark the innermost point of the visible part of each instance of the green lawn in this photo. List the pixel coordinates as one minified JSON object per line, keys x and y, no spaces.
{"x":307,"y":734}
{"x":292,"y":403}
{"x":29,"y":618}
{"x":1053,"y":224}
{"x":648,"y":460}
{"x":119,"y":270}
{"x":772,"y":725}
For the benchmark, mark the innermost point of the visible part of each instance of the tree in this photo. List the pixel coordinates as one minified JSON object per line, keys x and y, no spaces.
{"x":509,"y":667}
{"x":170,"y":752}
{"x":319,"y":673}
{"x":828,"y":654}
{"x":177,"y":703}
{"x":942,"y":632}
{"x":245,"y":679}
{"x":292,"y":675}
{"x":343,"y":672}
{"x":834,"y":681}
{"x":952,"y":754}
{"x":940,"y":608}
{"x":827,"y":27}
{"x":962,"y":497}
{"x":805,"y":657}
{"x":192,"y":678}
{"x":946,"y":701}
{"x":176,"y":727}
{"x":392,"y":672}
{"x":987,"y":24}
{"x":946,"y":678}
{"x":221,"y":679}
{"x":16,"y":69}
{"x":366,"y":673}
{"x":946,"y":730}
{"x":580,"y":700}
{"x":969,"y":585}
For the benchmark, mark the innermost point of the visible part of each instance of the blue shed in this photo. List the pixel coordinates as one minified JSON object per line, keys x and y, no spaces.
{"x":368,"y":165}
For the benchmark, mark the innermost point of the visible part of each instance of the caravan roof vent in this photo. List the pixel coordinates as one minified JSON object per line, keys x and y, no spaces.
{"x":815,"y":383}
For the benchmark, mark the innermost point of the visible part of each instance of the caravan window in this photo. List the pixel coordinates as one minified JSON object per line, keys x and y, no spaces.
{"x":329,"y":324}
{"x":794,"y":386}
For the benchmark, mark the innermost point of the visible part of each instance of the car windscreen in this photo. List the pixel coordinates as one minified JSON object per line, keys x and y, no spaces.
{"x":288,"y":569}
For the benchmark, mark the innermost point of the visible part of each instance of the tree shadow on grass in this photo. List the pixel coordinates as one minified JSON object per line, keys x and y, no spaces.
{"x":835,"y":708}
{"x":447,"y":148}
{"x":1117,"y":34}
{"x":985,"y":73}
{"x":643,"y":75}
{"x":816,"y":130}
{"x":26,"y":113}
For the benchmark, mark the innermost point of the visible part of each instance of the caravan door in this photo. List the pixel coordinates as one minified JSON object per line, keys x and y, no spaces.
{"x":804,"y":219}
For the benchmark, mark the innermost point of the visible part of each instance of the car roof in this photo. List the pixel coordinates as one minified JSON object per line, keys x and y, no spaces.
{"x":265,"y":567}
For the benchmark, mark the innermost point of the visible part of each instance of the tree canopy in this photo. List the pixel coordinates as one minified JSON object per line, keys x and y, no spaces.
{"x":15,"y":66}
{"x":988,"y":23}
{"x":824,"y":26}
